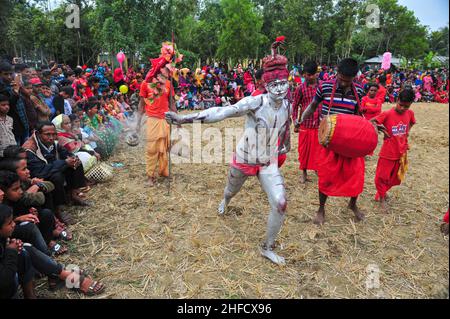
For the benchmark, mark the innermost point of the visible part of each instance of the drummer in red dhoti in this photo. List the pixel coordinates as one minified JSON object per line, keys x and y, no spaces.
{"x":340,"y":175}
{"x":308,"y":142}
{"x":393,"y":163}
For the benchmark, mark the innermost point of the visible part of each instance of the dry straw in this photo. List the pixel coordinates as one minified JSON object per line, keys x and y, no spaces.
{"x":144,"y":244}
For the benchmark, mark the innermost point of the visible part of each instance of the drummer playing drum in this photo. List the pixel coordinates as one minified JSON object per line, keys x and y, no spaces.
{"x":338,"y":175}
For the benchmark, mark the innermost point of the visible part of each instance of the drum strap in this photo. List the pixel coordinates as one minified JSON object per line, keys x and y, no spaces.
{"x":333,"y":93}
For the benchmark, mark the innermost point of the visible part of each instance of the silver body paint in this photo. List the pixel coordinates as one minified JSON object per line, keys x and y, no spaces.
{"x":268,"y":112}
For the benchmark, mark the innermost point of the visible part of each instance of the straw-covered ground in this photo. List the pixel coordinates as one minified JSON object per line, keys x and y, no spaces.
{"x":144,"y":243}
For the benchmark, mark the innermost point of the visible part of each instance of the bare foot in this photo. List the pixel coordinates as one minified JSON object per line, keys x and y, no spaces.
{"x":303,"y":178}
{"x":444,"y":229}
{"x":320,"y":217}
{"x":151,"y":181}
{"x":359,"y":216}
{"x":383,"y":205}
{"x":277,"y":259}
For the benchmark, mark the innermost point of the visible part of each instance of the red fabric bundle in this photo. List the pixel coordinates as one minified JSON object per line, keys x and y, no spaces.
{"x":338,"y":175}
{"x":247,"y":78}
{"x":118,"y":75}
{"x":275,"y":75}
{"x":253,"y":170}
{"x":308,"y":148}
{"x":353,"y":136}
{"x":446,"y":218}
{"x":157,"y":65}
{"x":274,"y":65}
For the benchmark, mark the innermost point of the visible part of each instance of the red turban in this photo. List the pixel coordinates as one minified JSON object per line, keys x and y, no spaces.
{"x":274,"y":65}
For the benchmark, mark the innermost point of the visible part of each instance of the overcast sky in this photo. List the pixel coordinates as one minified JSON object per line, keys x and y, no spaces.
{"x":433,"y":13}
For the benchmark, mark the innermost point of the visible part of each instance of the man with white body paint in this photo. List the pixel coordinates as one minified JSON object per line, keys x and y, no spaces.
{"x":262,"y":149}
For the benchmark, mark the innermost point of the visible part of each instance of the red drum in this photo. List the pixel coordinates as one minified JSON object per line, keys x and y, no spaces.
{"x":348,"y":135}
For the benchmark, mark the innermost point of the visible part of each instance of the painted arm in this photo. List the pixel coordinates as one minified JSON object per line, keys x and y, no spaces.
{"x":217,"y":114}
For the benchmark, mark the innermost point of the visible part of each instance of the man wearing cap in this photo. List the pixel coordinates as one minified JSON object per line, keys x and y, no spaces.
{"x":265,"y":141}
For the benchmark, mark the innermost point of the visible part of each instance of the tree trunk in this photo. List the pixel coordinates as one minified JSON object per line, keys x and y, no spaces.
{"x":387,"y":44}
{"x":321,"y":50}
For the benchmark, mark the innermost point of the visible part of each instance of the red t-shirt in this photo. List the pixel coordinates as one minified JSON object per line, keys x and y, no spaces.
{"x":370,"y":107}
{"x":397,"y":126}
{"x":381,"y":94}
{"x":160,"y":105}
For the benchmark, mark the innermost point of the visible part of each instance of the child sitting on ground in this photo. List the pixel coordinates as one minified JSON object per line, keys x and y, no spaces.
{"x":19,"y":262}
{"x":43,"y":218}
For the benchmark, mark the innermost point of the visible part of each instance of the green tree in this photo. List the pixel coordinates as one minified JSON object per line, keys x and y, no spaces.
{"x":240,"y":34}
{"x":438,"y":41}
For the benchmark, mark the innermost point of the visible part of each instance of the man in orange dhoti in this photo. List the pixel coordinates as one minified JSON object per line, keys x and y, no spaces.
{"x":158,"y":131}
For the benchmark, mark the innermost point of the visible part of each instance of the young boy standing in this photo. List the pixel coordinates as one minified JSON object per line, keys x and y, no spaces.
{"x":308,"y":141}
{"x":6,"y":125}
{"x":393,"y":164}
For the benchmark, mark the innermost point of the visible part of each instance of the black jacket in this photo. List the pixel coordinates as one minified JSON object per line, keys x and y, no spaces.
{"x":44,"y":164}
{"x":8,"y":270}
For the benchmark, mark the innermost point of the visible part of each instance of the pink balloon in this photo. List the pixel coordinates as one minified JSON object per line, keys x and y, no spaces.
{"x":386,"y":63}
{"x":120,"y":57}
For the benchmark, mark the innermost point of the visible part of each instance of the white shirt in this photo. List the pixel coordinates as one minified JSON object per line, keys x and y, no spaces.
{"x":67,"y":108}
{"x":6,"y":133}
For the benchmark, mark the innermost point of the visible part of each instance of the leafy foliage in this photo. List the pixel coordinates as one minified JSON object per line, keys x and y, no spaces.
{"x":323,"y":30}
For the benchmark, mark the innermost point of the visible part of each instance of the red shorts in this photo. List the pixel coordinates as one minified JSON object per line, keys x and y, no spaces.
{"x":253,"y":170}
{"x":340,"y":176}
{"x":308,"y":148}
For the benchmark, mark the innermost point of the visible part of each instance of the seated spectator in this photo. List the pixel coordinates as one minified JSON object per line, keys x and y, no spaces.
{"x":70,"y":141}
{"x":37,"y":192}
{"x":48,"y":97}
{"x":104,"y":130}
{"x":26,"y":231}
{"x":48,"y":160}
{"x":43,"y":218}
{"x":6,"y":125}
{"x":19,"y":263}
{"x":441,"y":96}
{"x":37,"y":98}
{"x":15,"y":151}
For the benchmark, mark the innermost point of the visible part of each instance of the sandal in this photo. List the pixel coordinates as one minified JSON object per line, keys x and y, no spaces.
{"x":85,"y":189}
{"x":95,"y":287}
{"x":58,"y":250}
{"x":81,"y":195}
{"x":55,"y":283}
{"x":64,"y":234}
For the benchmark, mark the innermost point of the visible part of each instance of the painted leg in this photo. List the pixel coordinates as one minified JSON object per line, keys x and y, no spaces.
{"x":235,"y":181}
{"x":273,"y":184}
